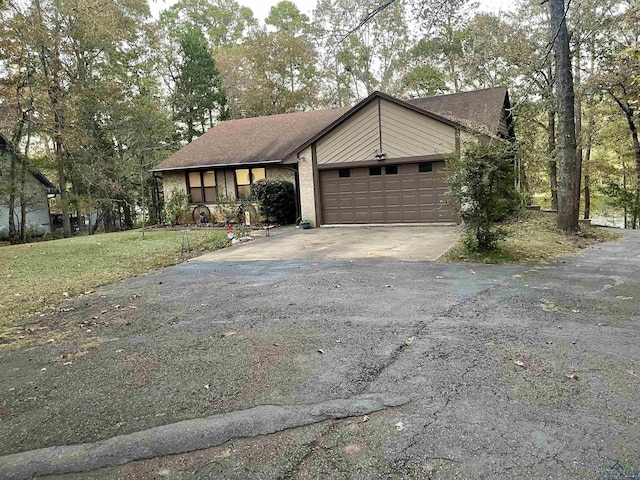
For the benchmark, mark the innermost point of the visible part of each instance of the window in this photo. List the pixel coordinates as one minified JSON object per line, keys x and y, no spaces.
{"x":202,"y":187}
{"x":391,"y":170}
{"x":344,"y":173}
{"x":425,"y":167}
{"x":245,"y":177}
{"x":375,"y":171}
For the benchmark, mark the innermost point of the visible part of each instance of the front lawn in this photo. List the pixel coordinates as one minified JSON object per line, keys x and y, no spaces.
{"x":40,"y":276}
{"x":535,"y":238}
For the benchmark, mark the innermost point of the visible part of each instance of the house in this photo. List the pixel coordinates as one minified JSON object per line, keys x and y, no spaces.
{"x":38,"y":189}
{"x":381,"y":161}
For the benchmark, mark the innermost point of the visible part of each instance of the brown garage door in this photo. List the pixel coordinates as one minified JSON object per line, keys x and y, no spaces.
{"x":409,"y":193}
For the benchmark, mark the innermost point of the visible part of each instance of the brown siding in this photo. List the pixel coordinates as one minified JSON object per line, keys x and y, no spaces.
{"x":406,"y":133}
{"x":354,"y":140}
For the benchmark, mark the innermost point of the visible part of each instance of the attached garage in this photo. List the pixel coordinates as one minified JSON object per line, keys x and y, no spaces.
{"x":405,"y":193}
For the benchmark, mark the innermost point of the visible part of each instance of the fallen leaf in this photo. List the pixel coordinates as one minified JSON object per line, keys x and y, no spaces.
{"x":365,"y":418}
{"x":399,"y":426}
{"x":573,"y":376}
{"x":320,"y":350}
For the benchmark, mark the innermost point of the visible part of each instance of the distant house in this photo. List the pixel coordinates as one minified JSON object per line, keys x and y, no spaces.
{"x":381,"y":161}
{"x":38,"y":188}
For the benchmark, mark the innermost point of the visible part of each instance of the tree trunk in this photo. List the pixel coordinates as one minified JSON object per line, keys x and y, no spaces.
{"x":568,"y":192}
{"x":128,"y":222}
{"x":23,"y":201}
{"x":51,"y":66}
{"x":636,"y":149}
{"x":587,"y":181}
{"x":578,"y":120}
{"x":13,"y":160}
{"x":553,"y":166}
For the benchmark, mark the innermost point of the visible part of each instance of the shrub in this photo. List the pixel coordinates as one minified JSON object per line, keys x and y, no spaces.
{"x":483,"y":189}
{"x":176,"y":206}
{"x":277,"y":200}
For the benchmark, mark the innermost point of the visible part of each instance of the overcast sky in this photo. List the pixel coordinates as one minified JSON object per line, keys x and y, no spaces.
{"x":261,"y":7}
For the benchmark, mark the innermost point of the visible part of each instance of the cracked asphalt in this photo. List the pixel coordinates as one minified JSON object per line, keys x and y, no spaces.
{"x":510,"y":372}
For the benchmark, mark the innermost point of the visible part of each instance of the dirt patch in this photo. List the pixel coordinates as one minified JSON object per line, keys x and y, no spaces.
{"x":144,"y":366}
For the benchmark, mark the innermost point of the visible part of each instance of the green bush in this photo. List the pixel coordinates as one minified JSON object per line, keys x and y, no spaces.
{"x":483,"y":188}
{"x":176,"y":206}
{"x":276,"y":199}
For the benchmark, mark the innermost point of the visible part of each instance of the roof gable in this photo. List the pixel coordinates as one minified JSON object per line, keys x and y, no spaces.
{"x":480,"y":111}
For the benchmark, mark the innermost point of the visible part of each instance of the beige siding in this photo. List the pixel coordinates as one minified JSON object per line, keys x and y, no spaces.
{"x":226,"y":184}
{"x":173,"y":180}
{"x":355,"y":140}
{"x":406,"y":133}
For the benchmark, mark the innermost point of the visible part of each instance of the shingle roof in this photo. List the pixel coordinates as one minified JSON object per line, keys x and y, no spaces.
{"x":251,"y":140}
{"x":480,"y":110}
{"x":272,"y":138}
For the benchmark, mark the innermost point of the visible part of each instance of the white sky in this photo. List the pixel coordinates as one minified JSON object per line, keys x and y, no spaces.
{"x":261,"y":7}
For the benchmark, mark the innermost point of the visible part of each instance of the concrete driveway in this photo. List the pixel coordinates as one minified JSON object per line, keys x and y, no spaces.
{"x":390,"y":243}
{"x":365,"y":368}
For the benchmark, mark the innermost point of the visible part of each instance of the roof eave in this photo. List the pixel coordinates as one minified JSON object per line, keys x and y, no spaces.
{"x":216,"y":165}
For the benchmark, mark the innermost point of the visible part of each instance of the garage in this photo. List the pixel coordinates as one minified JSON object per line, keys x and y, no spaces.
{"x":404,"y":193}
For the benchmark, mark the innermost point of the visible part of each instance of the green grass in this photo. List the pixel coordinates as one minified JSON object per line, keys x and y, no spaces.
{"x":535,"y":238}
{"x":40,"y":276}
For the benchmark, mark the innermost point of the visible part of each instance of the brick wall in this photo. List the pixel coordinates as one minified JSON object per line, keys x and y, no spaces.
{"x":307,"y":196}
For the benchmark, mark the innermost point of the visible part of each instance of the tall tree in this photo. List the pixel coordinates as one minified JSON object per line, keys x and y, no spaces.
{"x":274,"y":71}
{"x":620,"y":64}
{"x":569,"y":185}
{"x":357,"y":61}
{"x":198,"y":99}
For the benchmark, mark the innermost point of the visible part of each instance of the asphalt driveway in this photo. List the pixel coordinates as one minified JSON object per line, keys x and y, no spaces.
{"x":344,"y":243}
{"x":354,"y":368}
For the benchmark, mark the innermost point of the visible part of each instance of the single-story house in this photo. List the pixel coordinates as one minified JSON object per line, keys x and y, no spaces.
{"x":38,"y":190}
{"x":381,"y":161}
